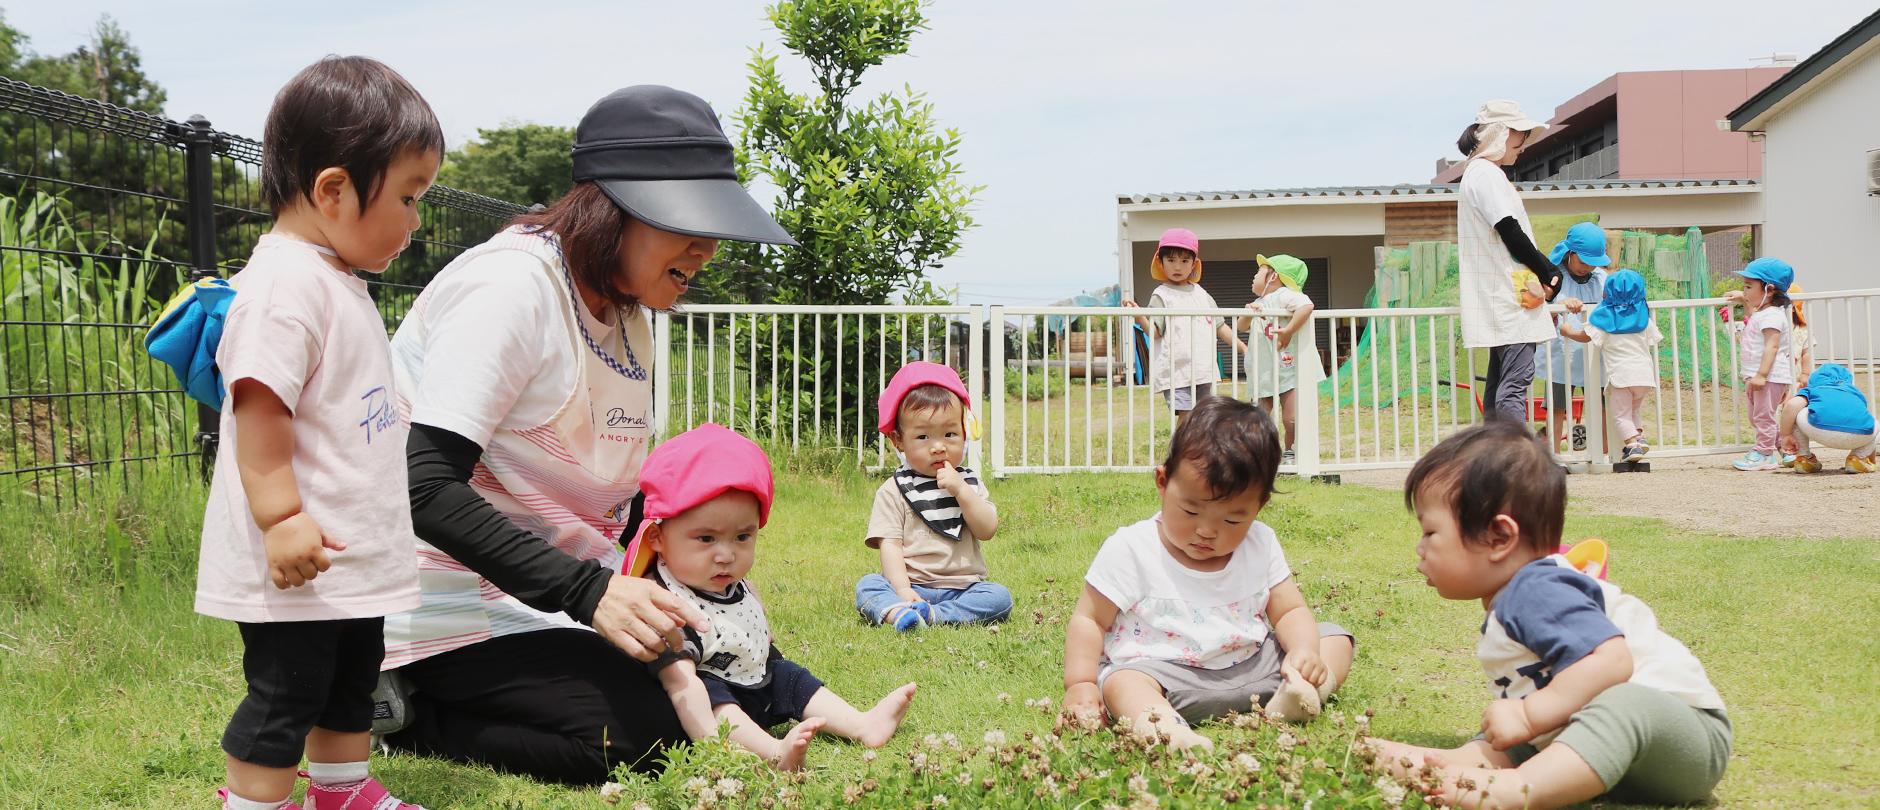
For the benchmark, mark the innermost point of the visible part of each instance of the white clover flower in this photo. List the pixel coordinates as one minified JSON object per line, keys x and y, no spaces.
{"x":951,"y":741}
{"x":729,"y":787}
{"x":1247,"y":763}
{"x":1105,"y":773}
{"x":1050,"y":786}
{"x":868,"y":756}
{"x":1138,"y":783}
{"x":1031,"y":703}
{"x":1004,"y":698}
{"x":1391,"y":792}
{"x":1286,"y":741}
{"x":982,"y":665}
{"x":993,"y":629}
{"x":642,"y":806}
{"x":707,"y":796}
{"x":696,"y":784}
{"x":919,"y":759}
{"x":995,"y":738}
{"x":932,"y":740}
{"x":940,"y":800}
{"x":612,"y":791}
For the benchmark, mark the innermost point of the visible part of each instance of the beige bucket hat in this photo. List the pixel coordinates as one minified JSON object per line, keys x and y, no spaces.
{"x":1506,"y":112}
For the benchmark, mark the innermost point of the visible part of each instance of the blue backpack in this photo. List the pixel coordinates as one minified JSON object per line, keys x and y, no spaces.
{"x":187,"y":333}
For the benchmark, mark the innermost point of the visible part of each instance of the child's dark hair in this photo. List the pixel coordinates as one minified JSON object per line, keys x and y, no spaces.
{"x":1495,"y":469}
{"x":346,"y":111}
{"x":1470,"y":139}
{"x":1166,"y":251}
{"x":1232,"y":445}
{"x":929,"y":397}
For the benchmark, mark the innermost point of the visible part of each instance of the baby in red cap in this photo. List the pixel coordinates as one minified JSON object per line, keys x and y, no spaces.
{"x":931,"y":515}
{"x":708,"y":492}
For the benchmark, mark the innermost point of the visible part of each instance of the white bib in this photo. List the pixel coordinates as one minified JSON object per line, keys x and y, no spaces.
{"x":737,"y":650}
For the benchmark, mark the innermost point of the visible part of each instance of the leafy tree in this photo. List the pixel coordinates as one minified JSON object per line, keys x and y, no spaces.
{"x":870,"y":190}
{"x":518,"y":161}
{"x":108,"y":68}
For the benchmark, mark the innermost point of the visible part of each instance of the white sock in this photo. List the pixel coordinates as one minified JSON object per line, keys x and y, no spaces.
{"x":337,"y":774}
{"x":234,"y":802}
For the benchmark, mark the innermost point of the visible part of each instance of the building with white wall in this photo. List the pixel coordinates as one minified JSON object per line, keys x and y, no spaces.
{"x":1820,"y":125}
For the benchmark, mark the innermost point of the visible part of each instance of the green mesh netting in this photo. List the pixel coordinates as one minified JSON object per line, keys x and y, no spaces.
{"x":1426,"y":274}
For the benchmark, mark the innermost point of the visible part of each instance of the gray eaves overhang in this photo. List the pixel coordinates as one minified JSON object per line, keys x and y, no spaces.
{"x":1811,"y":68}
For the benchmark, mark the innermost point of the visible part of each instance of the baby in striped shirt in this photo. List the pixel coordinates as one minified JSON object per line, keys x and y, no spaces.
{"x":930,"y":517}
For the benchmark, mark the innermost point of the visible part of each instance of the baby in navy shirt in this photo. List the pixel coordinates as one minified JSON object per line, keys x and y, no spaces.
{"x":1591,"y":696}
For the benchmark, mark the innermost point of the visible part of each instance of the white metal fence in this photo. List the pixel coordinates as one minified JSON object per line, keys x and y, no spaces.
{"x":1072,"y":389}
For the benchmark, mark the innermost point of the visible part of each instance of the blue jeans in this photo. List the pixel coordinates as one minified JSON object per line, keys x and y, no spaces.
{"x":979,"y":602}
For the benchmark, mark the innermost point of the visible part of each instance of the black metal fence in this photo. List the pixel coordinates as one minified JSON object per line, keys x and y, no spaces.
{"x":104,"y":214}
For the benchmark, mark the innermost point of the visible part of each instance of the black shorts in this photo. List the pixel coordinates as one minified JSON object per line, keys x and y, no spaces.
{"x":301,"y":675}
{"x":780,"y":700}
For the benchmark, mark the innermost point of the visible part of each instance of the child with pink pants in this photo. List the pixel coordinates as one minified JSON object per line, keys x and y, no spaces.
{"x":1621,"y":328}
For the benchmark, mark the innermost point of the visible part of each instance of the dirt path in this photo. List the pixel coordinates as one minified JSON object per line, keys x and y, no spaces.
{"x":1703,"y":494}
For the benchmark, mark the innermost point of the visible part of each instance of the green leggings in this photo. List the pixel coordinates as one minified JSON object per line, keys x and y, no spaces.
{"x":1646,"y":745}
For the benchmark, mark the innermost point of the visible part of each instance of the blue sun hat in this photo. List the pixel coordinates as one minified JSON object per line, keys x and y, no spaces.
{"x":1622,"y":311}
{"x":1835,"y":403}
{"x":1587,"y":240}
{"x":1770,"y":270}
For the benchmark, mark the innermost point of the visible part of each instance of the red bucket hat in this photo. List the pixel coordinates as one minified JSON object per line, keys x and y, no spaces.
{"x":914,"y":375}
{"x":692,"y":468}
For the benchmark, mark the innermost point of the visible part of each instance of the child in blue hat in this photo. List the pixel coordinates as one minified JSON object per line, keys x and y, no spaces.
{"x":1582,"y":259}
{"x":1766,"y":365}
{"x":1621,"y":326}
{"x":1830,"y":411}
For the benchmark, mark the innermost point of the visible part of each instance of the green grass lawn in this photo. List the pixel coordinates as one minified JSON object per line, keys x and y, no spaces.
{"x":115,"y":693}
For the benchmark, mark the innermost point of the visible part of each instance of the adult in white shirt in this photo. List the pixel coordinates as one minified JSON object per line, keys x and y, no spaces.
{"x":523,"y":371}
{"x":1501,"y":312}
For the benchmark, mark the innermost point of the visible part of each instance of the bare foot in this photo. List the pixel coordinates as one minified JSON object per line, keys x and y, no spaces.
{"x":1400,"y":758}
{"x":1297,"y":699}
{"x":1183,"y":738}
{"x":1481,"y":788}
{"x":793,"y":749}
{"x":886,"y":717}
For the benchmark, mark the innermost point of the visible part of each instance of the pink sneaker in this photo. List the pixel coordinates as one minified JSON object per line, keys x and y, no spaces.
{"x":221,"y":795}
{"x":365,"y":795}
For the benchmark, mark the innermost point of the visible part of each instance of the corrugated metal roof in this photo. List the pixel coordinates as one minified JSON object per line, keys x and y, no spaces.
{"x":1409,"y":190}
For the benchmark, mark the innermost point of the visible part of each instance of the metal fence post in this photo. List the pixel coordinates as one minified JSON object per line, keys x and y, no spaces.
{"x":199,"y":142}
{"x":1306,"y":401}
{"x":995,"y":394}
{"x":976,"y":375}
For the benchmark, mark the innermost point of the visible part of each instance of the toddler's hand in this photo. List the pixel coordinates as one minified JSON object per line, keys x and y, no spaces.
{"x":1083,"y":702}
{"x":297,"y":550}
{"x":949,"y":479}
{"x":909,"y":595}
{"x":1573,"y":305}
{"x":1309,"y":665}
{"x":1757,"y":382}
{"x":1790,"y":446}
{"x":1505,"y":724}
{"x":1734,"y":296}
{"x":1129,"y":303}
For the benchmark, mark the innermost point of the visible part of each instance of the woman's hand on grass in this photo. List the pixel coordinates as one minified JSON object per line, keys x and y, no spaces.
{"x":644,"y":619}
{"x":297,"y":550}
{"x":1505,"y":724}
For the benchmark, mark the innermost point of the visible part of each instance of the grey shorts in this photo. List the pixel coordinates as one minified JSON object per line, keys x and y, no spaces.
{"x":1204,"y":694}
{"x":1186,"y":397}
{"x":1647,"y":746}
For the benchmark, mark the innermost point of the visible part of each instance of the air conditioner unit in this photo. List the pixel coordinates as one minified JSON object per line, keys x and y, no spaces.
{"x":1873,"y":172}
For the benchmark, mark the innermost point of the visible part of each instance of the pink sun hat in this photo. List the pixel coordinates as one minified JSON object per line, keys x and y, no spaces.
{"x":692,"y":468}
{"x":911,"y":376}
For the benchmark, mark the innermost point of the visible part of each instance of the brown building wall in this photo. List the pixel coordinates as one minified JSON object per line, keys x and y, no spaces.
{"x":1419,"y":222}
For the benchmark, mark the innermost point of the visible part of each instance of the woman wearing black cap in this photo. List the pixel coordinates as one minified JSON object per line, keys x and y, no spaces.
{"x":522,"y":368}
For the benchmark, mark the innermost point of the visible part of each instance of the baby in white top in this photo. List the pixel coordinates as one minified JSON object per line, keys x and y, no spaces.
{"x":1193,"y":612}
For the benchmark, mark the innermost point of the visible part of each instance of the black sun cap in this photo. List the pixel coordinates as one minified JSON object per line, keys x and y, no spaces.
{"x":660,"y":155}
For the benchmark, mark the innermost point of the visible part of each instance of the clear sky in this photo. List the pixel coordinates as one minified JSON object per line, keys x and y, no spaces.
{"x":1062,"y":105}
